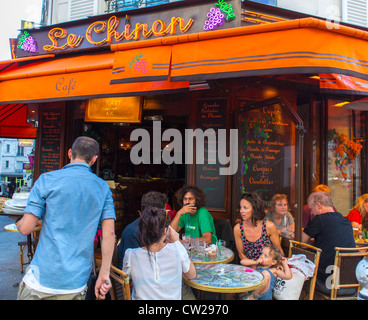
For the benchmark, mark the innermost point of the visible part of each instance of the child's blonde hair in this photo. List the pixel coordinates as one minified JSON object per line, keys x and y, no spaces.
{"x":276,"y":253}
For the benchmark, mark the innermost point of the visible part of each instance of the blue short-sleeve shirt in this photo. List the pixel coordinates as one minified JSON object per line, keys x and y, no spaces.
{"x":71,"y":203}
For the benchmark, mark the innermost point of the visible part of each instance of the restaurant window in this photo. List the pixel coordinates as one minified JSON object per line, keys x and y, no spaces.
{"x":268,"y":151}
{"x":346,"y":131}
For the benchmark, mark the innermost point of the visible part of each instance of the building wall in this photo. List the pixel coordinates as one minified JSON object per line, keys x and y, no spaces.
{"x":330,"y":9}
{"x":58,"y":11}
{"x":15,"y":160}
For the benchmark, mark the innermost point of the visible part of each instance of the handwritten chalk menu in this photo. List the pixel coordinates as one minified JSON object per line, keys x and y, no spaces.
{"x":51,"y":126}
{"x":211,"y":113}
{"x":267,"y":150}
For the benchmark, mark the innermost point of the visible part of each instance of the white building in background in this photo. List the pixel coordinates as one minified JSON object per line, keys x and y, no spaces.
{"x":14,"y":160}
{"x":57,"y":11}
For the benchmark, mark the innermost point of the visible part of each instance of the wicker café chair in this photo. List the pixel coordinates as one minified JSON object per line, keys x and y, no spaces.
{"x":119,"y":279}
{"x":313,"y":254}
{"x":120,"y":283}
{"x":344,"y":285}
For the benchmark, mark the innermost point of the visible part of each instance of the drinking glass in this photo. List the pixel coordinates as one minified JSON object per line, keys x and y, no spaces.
{"x":201,"y":249}
{"x":186,"y":241}
{"x":221,"y":245}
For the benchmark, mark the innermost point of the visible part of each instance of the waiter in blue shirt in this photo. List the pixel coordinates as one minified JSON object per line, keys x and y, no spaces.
{"x":71,"y":202}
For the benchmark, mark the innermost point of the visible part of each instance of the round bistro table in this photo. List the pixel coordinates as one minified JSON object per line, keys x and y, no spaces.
{"x":225,"y":278}
{"x":226,"y":257}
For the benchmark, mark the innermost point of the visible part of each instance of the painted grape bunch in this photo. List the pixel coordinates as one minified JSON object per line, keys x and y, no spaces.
{"x":141,"y":66}
{"x":215,"y":18}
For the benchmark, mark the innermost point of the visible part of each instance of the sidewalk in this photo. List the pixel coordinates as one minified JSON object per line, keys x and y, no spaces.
{"x":10,"y":274}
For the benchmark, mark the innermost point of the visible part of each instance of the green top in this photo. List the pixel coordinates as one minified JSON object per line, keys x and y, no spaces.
{"x":198,"y":223}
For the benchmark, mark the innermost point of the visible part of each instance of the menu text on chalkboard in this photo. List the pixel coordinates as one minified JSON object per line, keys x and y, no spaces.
{"x":267,"y":151}
{"x":51,"y":130}
{"x":211,"y":114}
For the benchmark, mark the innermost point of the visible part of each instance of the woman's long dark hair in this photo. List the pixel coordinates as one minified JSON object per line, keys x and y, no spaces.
{"x":257,"y":205}
{"x":152,"y":225}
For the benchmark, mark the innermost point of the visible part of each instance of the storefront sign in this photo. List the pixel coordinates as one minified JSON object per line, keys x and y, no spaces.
{"x":26,"y":142}
{"x":60,"y":39}
{"x":126,"y":109}
{"x":119,"y":27}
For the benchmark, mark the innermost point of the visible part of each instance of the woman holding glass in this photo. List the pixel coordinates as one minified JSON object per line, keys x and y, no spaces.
{"x":253,"y":232}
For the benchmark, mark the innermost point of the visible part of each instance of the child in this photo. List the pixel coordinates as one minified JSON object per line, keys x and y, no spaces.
{"x":272,"y":264}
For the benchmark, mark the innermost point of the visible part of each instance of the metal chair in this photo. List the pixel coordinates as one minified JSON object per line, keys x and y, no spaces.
{"x":313,"y":254}
{"x":343,"y":274}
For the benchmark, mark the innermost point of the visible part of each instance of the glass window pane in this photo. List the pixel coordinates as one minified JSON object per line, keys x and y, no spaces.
{"x":345,"y":143}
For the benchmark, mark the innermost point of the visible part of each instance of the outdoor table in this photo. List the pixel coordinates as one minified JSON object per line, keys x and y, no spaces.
{"x":225,"y":278}
{"x":361,"y":244}
{"x":13,"y":228}
{"x":225,"y":257}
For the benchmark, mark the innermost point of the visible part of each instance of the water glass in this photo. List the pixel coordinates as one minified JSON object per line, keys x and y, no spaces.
{"x":186,"y":241}
{"x":201,"y":249}
{"x":221,"y":245}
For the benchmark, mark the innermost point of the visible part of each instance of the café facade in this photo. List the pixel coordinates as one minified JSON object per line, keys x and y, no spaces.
{"x":279,"y":98}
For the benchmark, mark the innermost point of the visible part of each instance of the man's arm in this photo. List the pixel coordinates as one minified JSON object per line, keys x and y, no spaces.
{"x":175,"y":222}
{"x":206,"y":236}
{"x":103,"y":283}
{"x":306,"y":238}
{"x":27,"y":223}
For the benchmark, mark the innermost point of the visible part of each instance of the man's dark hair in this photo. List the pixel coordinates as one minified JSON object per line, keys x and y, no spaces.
{"x":153,"y":199}
{"x":85,"y":148}
{"x":198,"y":194}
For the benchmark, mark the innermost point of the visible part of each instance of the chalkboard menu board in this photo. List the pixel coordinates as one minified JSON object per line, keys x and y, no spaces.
{"x":51,"y":127}
{"x":267,"y":151}
{"x":211,"y":114}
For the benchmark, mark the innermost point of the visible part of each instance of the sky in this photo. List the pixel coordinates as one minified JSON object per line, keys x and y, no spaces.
{"x":11,"y":14}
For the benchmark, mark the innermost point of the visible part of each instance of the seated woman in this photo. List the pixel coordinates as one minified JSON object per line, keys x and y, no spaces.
{"x":156,"y":269}
{"x":253,"y":232}
{"x":281,"y":217}
{"x":357,"y":213}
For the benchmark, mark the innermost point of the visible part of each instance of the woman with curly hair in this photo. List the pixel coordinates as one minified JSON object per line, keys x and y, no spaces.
{"x":193,"y":216}
{"x":357,"y":213}
{"x":253,"y":232}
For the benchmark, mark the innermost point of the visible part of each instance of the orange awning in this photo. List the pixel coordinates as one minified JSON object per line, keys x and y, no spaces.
{"x":143,"y":64}
{"x":304,"y":46}
{"x":13,"y":122}
{"x":301,"y":46}
{"x":292,"y":47}
{"x":81,"y":77}
{"x":343,"y":84}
